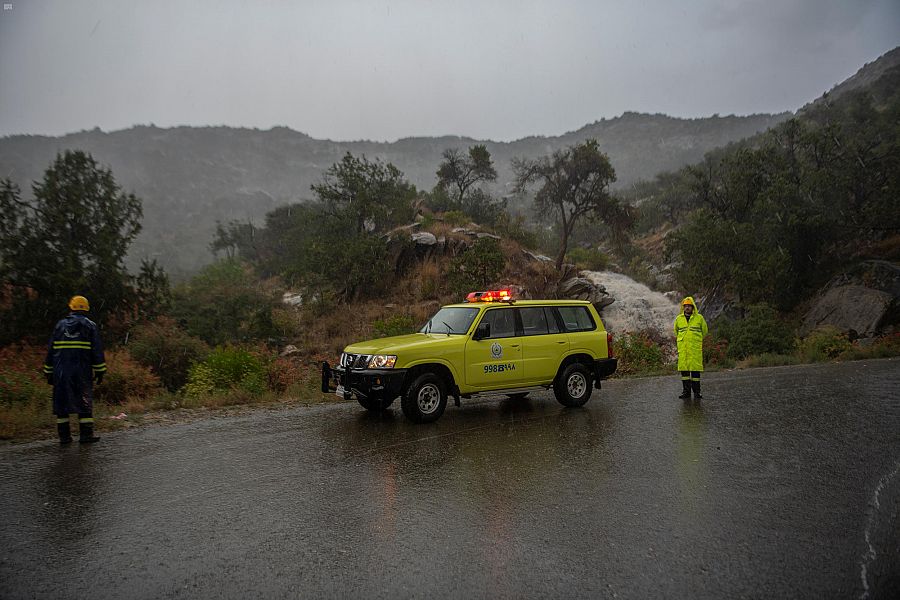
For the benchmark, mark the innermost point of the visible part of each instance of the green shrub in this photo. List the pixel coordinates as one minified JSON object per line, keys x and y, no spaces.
{"x":395,"y":325}
{"x":227,"y":368}
{"x":882,"y":347}
{"x":588,"y":259}
{"x":126,"y":379}
{"x":516,"y":228}
{"x":456,"y":218}
{"x":225,"y":303}
{"x":825,"y":343}
{"x":167,"y":350}
{"x":21,"y":377}
{"x":476,"y":268}
{"x":286,"y":322}
{"x":773,"y":360}
{"x":762,"y":331}
{"x":715,"y":352}
{"x":638,"y":353}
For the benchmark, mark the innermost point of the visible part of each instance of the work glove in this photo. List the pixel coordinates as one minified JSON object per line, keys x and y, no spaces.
{"x":98,"y":377}
{"x":49,"y":378}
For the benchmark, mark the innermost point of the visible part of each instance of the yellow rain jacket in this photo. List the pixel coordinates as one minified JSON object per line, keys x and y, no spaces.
{"x":689,"y":334}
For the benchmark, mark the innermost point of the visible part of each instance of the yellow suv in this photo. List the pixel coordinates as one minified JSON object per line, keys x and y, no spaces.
{"x":489,"y":344}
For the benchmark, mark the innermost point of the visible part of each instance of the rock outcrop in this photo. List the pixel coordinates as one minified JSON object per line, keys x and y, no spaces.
{"x":864,"y":301}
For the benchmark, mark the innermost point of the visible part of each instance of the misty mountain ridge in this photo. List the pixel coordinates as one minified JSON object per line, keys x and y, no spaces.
{"x":191,"y":177}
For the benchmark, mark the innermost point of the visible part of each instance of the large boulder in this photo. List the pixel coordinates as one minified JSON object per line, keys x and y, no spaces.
{"x":579,"y":288}
{"x":865,"y":300}
{"x":849,"y":308}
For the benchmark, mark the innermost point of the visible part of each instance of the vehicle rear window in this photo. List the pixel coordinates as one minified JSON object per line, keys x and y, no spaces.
{"x":534,"y":321}
{"x":576,"y":318}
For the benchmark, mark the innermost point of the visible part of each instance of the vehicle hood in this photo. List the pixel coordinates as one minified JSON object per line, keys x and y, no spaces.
{"x":399,"y":343}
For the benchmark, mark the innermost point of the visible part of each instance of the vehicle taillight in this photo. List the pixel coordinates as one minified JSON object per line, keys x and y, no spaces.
{"x":609,"y":345}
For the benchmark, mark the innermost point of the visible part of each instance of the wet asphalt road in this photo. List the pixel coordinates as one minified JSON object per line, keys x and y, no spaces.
{"x":782,"y":483}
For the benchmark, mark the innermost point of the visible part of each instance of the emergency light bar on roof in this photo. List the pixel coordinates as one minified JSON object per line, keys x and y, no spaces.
{"x":490,"y":296}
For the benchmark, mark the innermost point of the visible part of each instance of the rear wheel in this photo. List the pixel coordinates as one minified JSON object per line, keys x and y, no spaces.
{"x":374,"y":403}
{"x":425,"y":399}
{"x":573,"y":386}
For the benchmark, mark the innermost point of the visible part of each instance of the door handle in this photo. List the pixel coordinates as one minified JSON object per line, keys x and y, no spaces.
{"x":514,"y":345}
{"x":562,"y":342}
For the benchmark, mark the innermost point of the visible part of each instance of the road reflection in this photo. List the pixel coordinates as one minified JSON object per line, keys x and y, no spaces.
{"x":481,"y":466}
{"x":690,"y":451}
{"x":70,"y":481}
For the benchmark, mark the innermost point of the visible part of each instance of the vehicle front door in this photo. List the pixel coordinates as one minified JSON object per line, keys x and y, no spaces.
{"x":495,"y":362}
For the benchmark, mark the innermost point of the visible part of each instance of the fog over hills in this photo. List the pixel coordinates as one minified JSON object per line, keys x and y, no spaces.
{"x":190,"y":177}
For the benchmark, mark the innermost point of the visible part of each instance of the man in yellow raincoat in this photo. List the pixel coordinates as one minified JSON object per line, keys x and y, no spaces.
{"x":690,"y":329}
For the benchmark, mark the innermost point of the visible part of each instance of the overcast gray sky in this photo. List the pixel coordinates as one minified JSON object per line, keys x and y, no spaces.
{"x":386,"y":69}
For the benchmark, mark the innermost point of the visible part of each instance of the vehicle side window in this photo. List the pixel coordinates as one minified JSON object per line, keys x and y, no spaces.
{"x":576,"y":318}
{"x":534,"y":321}
{"x":503,"y":322}
{"x":552,"y":323}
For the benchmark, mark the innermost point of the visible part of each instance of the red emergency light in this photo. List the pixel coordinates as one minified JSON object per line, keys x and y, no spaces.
{"x":490,"y":296}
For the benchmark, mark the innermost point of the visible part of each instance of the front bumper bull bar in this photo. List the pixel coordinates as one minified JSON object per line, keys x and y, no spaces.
{"x":365,"y":383}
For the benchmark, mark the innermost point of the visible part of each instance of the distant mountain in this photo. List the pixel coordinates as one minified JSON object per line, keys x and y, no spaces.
{"x":867,"y":77}
{"x":190,"y":177}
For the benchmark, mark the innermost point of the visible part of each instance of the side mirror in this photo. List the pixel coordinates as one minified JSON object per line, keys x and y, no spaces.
{"x":482,"y":331}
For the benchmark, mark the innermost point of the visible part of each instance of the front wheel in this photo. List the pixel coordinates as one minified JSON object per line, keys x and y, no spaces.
{"x":425,"y":399}
{"x":574,"y":385}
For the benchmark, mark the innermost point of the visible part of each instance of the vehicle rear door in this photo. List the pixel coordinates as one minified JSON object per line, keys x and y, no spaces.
{"x":544,"y":343}
{"x":583,"y":331}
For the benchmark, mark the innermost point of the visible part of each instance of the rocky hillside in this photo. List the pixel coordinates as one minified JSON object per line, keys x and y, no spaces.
{"x":189,"y":178}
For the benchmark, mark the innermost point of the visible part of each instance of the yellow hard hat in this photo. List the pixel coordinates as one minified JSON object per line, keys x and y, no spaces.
{"x":79,"y":303}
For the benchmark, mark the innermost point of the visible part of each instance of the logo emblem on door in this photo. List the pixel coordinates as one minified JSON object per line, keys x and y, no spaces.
{"x":496,"y":350}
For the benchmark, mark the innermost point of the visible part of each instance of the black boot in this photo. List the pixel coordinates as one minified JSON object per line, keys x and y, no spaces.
{"x":65,"y":434}
{"x":696,"y":385}
{"x":86,"y":433}
{"x":686,"y":390}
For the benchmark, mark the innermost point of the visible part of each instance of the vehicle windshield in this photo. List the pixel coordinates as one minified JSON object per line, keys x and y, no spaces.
{"x":453,"y":321}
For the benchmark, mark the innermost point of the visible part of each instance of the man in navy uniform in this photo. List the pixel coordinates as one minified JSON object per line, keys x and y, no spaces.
{"x":74,"y":361}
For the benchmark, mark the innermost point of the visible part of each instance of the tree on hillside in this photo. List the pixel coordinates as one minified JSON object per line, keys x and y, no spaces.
{"x":71,"y":238}
{"x":458,"y":175}
{"x":777,"y":220}
{"x":574,"y":185}
{"x":367,"y":195}
{"x":224,"y":303}
{"x":459,"y":172}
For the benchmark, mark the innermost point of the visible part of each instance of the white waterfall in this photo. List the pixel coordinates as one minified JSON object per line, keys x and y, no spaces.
{"x":637,"y":307}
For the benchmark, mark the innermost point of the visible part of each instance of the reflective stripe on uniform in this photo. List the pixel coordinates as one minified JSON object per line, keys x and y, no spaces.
{"x":100,"y":367}
{"x":86,"y":420}
{"x":48,"y":369}
{"x":78,"y":345}
{"x":60,"y":420}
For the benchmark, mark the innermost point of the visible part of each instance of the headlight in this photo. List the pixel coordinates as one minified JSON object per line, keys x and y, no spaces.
{"x":382,"y":361}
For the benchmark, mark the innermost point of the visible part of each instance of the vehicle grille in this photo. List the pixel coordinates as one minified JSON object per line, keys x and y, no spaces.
{"x":355,"y":361}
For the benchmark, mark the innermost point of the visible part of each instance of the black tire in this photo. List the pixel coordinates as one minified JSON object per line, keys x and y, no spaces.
{"x":573,"y":386}
{"x":425,"y":399}
{"x":517,"y":395}
{"x":375,"y":404}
